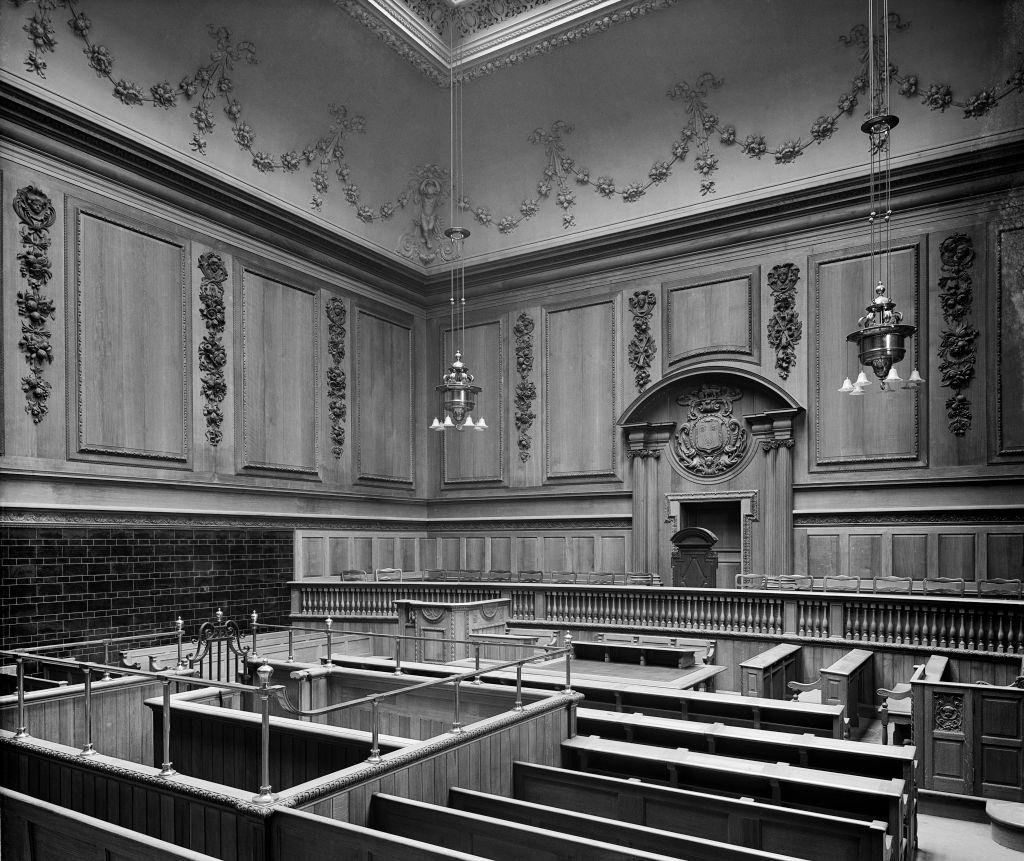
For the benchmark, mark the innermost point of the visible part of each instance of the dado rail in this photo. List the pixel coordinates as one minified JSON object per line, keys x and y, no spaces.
{"x":992,"y":625}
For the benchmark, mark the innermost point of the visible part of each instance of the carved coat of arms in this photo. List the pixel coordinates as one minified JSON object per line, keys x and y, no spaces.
{"x":710,"y":441}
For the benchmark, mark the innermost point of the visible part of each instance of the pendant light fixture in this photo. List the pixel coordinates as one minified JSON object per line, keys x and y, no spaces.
{"x":458,"y":393}
{"x":881,"y":334}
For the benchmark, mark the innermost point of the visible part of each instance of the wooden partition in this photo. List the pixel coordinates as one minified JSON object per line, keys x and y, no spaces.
{"x":970,"y":738}
{"x":198,"y":815}
{"x":120,"y":722}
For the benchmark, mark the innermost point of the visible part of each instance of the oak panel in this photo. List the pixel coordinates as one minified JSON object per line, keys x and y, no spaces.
{"x":713,"y":315}
{"x":280,"y":344}
{"x":879,"y":430}
{"x":383,"y":400}
{"x":130,"y":309}
{"x":580,"y":384}
{"x":956,"y":556}
{"x":470,"y":457}
{"x":1007,"y":383}
{"x":1005,"y":555}
{"x":823,"y":555}
{"x":865,"y":554}
{"x":910,"y":556}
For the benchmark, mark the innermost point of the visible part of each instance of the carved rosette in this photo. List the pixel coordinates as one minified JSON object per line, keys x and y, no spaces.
{"x":337,"y":384}
{"x":957,"y":350}
{"x":710,"y":441}
{"x":784,"y":328}
{"x":949,"y":712}
{"x":642,"y":348}
{"x":526,"y":390}
{"x":212,"y":355}
{"x":36,"y":215}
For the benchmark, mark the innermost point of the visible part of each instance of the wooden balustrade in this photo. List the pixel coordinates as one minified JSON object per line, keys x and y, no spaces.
{"x":955,"y":623}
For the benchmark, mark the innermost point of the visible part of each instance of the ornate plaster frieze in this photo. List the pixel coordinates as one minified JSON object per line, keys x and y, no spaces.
{"x":212,"y":355}
{"x":784,"y":327}
{"x":337,"y":383}
{"x":35,"y":216}
{"x":957,"y":350}
{"x":526,"y":389}
{"x":642,"y":348}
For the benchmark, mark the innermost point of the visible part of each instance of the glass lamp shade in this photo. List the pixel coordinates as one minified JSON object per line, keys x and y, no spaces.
{"x":914,"y":380}
{"x":846,"y":387}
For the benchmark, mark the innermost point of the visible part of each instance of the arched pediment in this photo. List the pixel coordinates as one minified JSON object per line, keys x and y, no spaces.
{"x":646,"y":402}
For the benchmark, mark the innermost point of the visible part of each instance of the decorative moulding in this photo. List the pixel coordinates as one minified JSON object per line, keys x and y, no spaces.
{"x":337,"y":382}
{"x":683,"y":333}
{"x":784,"y":328}
{"x":212,"y":355}
{"x":921,"y":517}
{"x":526,"y":389}
{"x":87,"y":414}
{"x":957,"y":350}
{"x":247,"y":462}
{"x":36,"y":216}
{"x":642,"y":348}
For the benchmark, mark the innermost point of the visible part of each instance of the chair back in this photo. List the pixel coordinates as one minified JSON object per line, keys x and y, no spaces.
{"x":499,"y":576}
{"x":563,"y":577}
{"x":354,"y":575}
{"x":601,"y":578}
{"x":387,"y":575}
{"x":840,"y":583}
{"x":639,"y":579}
{"x":793,"y":582}
{"x":433,"y":574}
{"x":1000,"y":586}
{"x":470,"y":575}
{"x":943,"y":585}
{"x":530,"y":576}
{"x":892,"y":584}
{"x":750,"y":581}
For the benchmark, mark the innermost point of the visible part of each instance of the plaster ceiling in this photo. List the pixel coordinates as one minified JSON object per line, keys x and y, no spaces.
{"x":332,"y":110}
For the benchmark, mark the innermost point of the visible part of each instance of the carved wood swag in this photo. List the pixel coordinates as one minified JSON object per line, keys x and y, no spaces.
{"x":36,"y":213}
{"x":784,"y":327}
{"x":212,"y":356}
{"x":337,"y":383}
{"x":957,"y":350}
{"x":526,"y":390}
{"x":642,"y":349}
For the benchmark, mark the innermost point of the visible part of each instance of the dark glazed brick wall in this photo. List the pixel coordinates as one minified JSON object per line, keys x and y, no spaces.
{"x":71,"y":583}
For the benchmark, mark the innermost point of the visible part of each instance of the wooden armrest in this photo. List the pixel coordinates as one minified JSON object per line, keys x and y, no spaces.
{"x":899,"y":692}
{"x":800,"y":687}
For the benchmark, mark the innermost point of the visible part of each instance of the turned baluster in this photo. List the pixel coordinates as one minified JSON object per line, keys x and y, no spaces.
{"x":999,"y":634}
{"x":960,"y":640}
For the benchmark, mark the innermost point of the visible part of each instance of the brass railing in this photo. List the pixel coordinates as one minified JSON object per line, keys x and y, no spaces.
{"x":961,"y":624}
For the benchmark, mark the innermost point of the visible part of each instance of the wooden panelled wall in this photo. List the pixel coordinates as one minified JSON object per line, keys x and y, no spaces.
{"x":315,"y":390}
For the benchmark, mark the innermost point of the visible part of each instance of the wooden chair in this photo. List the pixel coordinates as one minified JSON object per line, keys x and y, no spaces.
{"x":999,"y":587}
{"x":840,"y":583}
{"x":750,"y":581}
{"x":639,"y":579}
{"x":387,"y":575}
{"x":531,"y":577}
{"x":895,"y":707}
{"x":601,"y":578}
{"x":790,"y":582}
{"x":562,"y":577}
{"x":354,"y":575}
{"x":499,"y":576}
{"x":902,"y":585}
{"x":943,"y":585}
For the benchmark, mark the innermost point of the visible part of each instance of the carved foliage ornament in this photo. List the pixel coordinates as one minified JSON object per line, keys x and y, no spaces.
{"x":642,"y":348}
{"x":957,"y":351}
{"x":337,"y":384}
{"x":784,"y":327}
{"x":949,"y":712}
{"x":526,"y":390}
{"x":212,"y":355}
{"x":36,"y":215}
{"x":710,"y":441}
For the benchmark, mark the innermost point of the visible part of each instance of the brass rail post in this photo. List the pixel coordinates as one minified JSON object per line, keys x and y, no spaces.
{"x":265,"y":796}
{"x":518,"y":707}
{"x":456,"y":723}
{"x":375,"y":743}
{"x":167,"y":769}
{"x":568,"y":662}
{"x":22,"y":729}
{"x":87,"y":748}
{"x":398,"y":656}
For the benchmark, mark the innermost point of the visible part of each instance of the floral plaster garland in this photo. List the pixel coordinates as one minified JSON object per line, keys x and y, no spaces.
{"x":642,"y":349}
{"x":212,"y":355}
{"x":36,"y":213}
{"x":957,"y":352}
{"x":337,"y":383}
{"x":784,"y":327}
{"x":526,"y":390}
{"x":562,"y":176}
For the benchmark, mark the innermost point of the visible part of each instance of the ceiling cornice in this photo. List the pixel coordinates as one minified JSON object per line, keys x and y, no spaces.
{"x":491,"y":35}
{"x":974,"y":173}
{"x":47,"y":128}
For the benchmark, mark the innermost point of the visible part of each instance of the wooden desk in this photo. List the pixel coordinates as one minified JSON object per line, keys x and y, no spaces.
{"x":768,"y":673}
{"x":635,"y":653}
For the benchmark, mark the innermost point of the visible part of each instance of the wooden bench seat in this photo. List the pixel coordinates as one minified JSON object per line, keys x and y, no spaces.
{"x":739,"y":821}
{"x":606,"y":830}
{"x":809,"y":789}
{"x":497,"y":839}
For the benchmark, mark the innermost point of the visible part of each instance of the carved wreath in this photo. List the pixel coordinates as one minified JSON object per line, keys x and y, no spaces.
{"x":710,"y":441}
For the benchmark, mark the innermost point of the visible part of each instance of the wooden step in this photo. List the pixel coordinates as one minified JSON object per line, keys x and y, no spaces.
{"x":1007,"y":822}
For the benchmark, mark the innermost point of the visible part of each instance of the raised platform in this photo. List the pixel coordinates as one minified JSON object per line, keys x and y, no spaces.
{"x":1007,"y":823}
